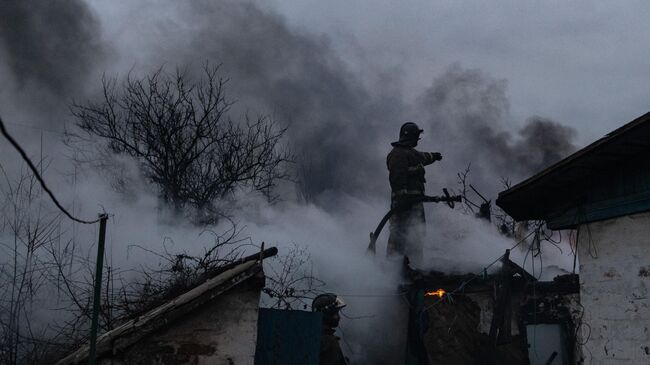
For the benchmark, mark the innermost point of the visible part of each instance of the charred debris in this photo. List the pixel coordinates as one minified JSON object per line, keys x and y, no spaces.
{"x":488,"y":319}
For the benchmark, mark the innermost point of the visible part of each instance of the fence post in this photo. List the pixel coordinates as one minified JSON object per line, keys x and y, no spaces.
{"x":98,"y":288}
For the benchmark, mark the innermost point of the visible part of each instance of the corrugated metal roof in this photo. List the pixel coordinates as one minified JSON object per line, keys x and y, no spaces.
{"x":532,"y":198}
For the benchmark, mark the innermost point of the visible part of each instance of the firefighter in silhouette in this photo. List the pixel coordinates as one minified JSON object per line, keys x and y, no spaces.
{"x":330,"y":351}
{"x":406,"y":175}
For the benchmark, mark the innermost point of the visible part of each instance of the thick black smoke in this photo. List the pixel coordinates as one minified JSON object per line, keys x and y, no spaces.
{"x":467,"y":113}
{"x":543,"y":143}
{"x":48,"y":49}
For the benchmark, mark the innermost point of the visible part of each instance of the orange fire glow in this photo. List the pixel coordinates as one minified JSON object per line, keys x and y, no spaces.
{"x":439,"y":293}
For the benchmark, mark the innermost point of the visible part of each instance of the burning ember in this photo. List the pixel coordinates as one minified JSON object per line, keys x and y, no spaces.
{"x":439,"y":293}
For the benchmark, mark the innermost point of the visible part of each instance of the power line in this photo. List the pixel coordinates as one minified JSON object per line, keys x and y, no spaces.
{"x":30,"y":126}
{"x":38,"y":176}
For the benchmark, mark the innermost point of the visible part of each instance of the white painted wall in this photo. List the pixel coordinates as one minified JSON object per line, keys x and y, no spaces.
{"x":614,"y":275}
{"x":222,"y":332}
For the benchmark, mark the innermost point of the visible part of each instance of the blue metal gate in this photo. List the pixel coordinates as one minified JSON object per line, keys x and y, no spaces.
{"x":287,"y":337}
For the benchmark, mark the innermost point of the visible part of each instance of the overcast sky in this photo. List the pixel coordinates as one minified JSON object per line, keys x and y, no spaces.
{"x":582,"y":63}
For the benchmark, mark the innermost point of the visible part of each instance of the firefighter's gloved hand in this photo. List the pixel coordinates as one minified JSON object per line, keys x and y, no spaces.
{"x":436,"y":156}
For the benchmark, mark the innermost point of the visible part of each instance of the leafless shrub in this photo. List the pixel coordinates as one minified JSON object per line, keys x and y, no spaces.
{"x":468,"y":205}
{"x":176,"y":273}
{"x":482,"y":209}
{"x":291,"y":283}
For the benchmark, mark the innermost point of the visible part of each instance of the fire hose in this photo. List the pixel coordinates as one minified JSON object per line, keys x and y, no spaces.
{"x":449,"y":199}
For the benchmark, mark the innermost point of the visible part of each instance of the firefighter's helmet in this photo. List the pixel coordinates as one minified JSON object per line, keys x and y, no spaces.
{"x":409,"y":133}
{"x":327,"y":303}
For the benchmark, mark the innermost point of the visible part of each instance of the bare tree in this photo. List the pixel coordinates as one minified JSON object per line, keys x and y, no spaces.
{"x":181,"y":134}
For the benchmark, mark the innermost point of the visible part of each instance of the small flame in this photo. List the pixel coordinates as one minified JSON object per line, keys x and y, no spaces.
{"x":439,"y":293}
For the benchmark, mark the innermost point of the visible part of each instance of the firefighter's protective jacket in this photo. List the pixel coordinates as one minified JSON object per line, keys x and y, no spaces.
{"x":406,"y":171}
{"x":330,"y":350}
{"x":406,"y":175}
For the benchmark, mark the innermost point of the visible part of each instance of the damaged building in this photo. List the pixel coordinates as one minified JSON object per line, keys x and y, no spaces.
{"x":506,"y":318}
{"x":603,"y":192}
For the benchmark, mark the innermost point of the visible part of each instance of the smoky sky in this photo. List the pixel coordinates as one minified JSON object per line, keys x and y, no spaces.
{"x":467,"y":111}
{"x":48,"y":49}
{"x":339,"y":124}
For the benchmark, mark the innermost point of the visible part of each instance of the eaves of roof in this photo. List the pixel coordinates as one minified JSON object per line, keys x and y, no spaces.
{"x":531,"y":198}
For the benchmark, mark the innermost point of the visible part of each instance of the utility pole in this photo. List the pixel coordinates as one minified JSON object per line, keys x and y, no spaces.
{"x":98,"y":288}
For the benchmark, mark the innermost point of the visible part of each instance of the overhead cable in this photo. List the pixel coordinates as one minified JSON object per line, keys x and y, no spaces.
{"x":39,"y":178}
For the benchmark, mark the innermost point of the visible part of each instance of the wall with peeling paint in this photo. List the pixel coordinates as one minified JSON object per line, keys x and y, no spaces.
{"x":614,"y":276}
{"x":223,"y":332}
